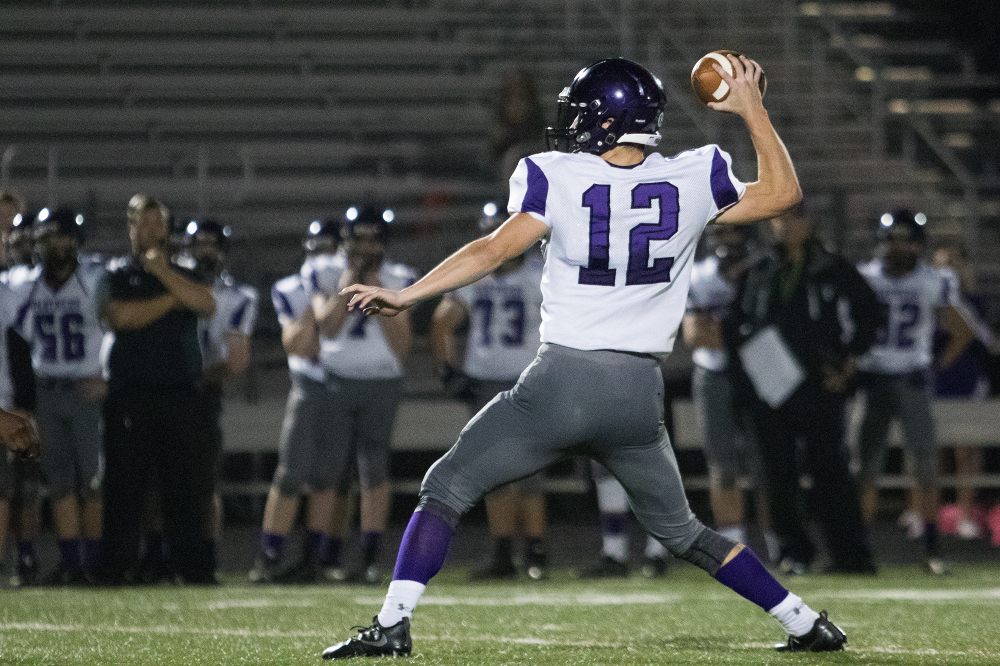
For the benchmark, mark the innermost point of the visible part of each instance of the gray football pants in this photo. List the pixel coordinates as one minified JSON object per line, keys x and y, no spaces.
{"x":906,"y":397}
{"x":602,"y":404}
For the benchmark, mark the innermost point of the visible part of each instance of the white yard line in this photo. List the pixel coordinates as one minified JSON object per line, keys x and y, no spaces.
{"x":246,"y":633}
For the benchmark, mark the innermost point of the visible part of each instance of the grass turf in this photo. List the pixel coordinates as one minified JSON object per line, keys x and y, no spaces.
{"x":903,"y":616}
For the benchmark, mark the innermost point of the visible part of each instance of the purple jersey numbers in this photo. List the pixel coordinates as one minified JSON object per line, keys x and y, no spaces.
{"x":639,"y":271}
{"x":898,"y":325}
{"x":598,"y":199}
{"x":513,"y":333}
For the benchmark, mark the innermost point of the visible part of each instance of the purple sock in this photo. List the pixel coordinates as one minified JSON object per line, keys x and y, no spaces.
{"x":747,"y":577}
{"x":91,"y":552}
{"x":613,"y":524}
{"x":314,"y":539}
{"x":329,"y":550}
{"x":271,"y":545}
{"x":370,"y":544}
{"x":69,"y":554}
{"x":26,"y":549}
{"x":424,"y":547}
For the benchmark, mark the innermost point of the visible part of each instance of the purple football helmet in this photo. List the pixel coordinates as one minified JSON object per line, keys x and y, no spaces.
{"x":615,"y":88}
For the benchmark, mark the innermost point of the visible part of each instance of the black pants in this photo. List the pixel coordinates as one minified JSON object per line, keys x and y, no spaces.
{"x":155,"y":440}
{"x":813,"y":419}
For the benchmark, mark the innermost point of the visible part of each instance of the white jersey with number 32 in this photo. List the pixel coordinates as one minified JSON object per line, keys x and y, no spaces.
{"x":618,"y":261}
{"x":910,"y":302}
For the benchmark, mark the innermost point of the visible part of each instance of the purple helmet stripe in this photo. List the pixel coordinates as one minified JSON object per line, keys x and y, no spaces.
{"x":538,"y":190}
{"x":722,"y":188}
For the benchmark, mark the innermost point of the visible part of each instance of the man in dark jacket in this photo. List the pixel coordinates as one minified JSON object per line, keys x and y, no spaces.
{"x":801,"y":319}
{"x":153,"y":434}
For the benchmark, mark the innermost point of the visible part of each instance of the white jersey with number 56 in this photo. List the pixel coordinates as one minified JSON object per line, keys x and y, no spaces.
{"x":618,"y":262}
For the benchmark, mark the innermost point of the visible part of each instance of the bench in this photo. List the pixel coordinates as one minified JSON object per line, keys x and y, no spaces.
{"x":433,"y":425}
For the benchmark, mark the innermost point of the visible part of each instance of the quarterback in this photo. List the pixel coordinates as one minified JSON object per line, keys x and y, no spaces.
{"x":621,"y":229}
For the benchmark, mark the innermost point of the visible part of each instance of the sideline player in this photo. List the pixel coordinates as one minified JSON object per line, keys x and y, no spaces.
{"x":503,"y":310}
{"x":362,"y":359}
{"x":895,"y":372}
{"x":59,"y":316}
{"x":225,"y":343}
{"x":17,"y":432}
{"x":729,"y":450}
{"x":619,"y":256}
{"x":23,"y":473}
{"x":306,"y":447}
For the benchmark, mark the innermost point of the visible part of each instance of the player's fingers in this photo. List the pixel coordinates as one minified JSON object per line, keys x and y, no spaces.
{"x":721,"y":71}
{"x":757,"y":71}
{"x":739,"y":68}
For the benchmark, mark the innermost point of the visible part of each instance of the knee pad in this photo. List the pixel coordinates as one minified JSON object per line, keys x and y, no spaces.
{"x":723,"y":476}
{"x":373,"y":468}
{"x":438,"y":486}
{"x":708,"y":551}
{"x":288,"y":485}
{"x":439,"y":509}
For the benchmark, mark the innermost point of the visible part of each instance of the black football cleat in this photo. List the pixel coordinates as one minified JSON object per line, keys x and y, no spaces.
{"x":825,"y":636}
{"x":374,"y":641}
{"x":606,"y":567}
{"x":495,"y":569}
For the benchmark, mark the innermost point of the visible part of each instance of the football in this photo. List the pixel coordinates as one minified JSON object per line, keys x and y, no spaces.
{"x":708,"y":86}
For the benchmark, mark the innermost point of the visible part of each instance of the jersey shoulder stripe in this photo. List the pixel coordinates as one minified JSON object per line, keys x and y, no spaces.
{"x":538,"y":190}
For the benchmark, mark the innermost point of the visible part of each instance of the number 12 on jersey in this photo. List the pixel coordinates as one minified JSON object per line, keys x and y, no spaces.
{"x":598,"y":199}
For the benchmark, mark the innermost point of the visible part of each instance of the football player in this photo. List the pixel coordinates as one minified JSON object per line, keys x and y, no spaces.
{"x":17,"y":432}
{"x":619,"y":254}
{"x":306,"y":447}
{"x":504,"y":314}
{"x":224,"y":338}
{"x":895,"y":372}
{"x":59,"y":316}
{"x":362,"y":359}
{"x":729,"y":451}
{"x":23,"y":474}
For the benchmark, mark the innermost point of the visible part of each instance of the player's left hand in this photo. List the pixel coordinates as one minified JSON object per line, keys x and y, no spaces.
{"x":18,"y":434}
{"x":375,"y":300}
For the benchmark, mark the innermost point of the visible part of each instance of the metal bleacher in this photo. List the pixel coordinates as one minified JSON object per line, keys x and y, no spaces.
{"x":270,"y":113}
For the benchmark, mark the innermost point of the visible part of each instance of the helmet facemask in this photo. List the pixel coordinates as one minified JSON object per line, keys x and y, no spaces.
{"x":617,"y":90}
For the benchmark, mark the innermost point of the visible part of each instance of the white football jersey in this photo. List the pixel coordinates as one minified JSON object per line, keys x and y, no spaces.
{"x":235,"y":312}
{"x":618,"y":260}
{"x":905,"y":341}
{"x":710,"y":292}
{"x":8,"y":315}
{"x":360,"y":350}
{"x":290,"y":301}
{"x":64,"y":326}
{"x":504,"y":320}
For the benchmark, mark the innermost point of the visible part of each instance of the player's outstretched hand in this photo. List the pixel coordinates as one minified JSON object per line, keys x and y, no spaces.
{"x":18,"y":434}
{"x":374,"y":300}
{"x":744,"y":92}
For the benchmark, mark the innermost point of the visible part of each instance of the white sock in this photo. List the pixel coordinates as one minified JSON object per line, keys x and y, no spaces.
{"x":615,"y":547}
{"x":400,"y":601}
{"x":737,"y":533}
{"x":773,"y":545}
{"x":654,"y":549}
{"x":794,"y":615}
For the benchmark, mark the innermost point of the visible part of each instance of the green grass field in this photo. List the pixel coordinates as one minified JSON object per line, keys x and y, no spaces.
{"x":901,"y":617}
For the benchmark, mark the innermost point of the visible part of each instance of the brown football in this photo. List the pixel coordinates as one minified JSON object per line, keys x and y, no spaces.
{"x":708,"y":86}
